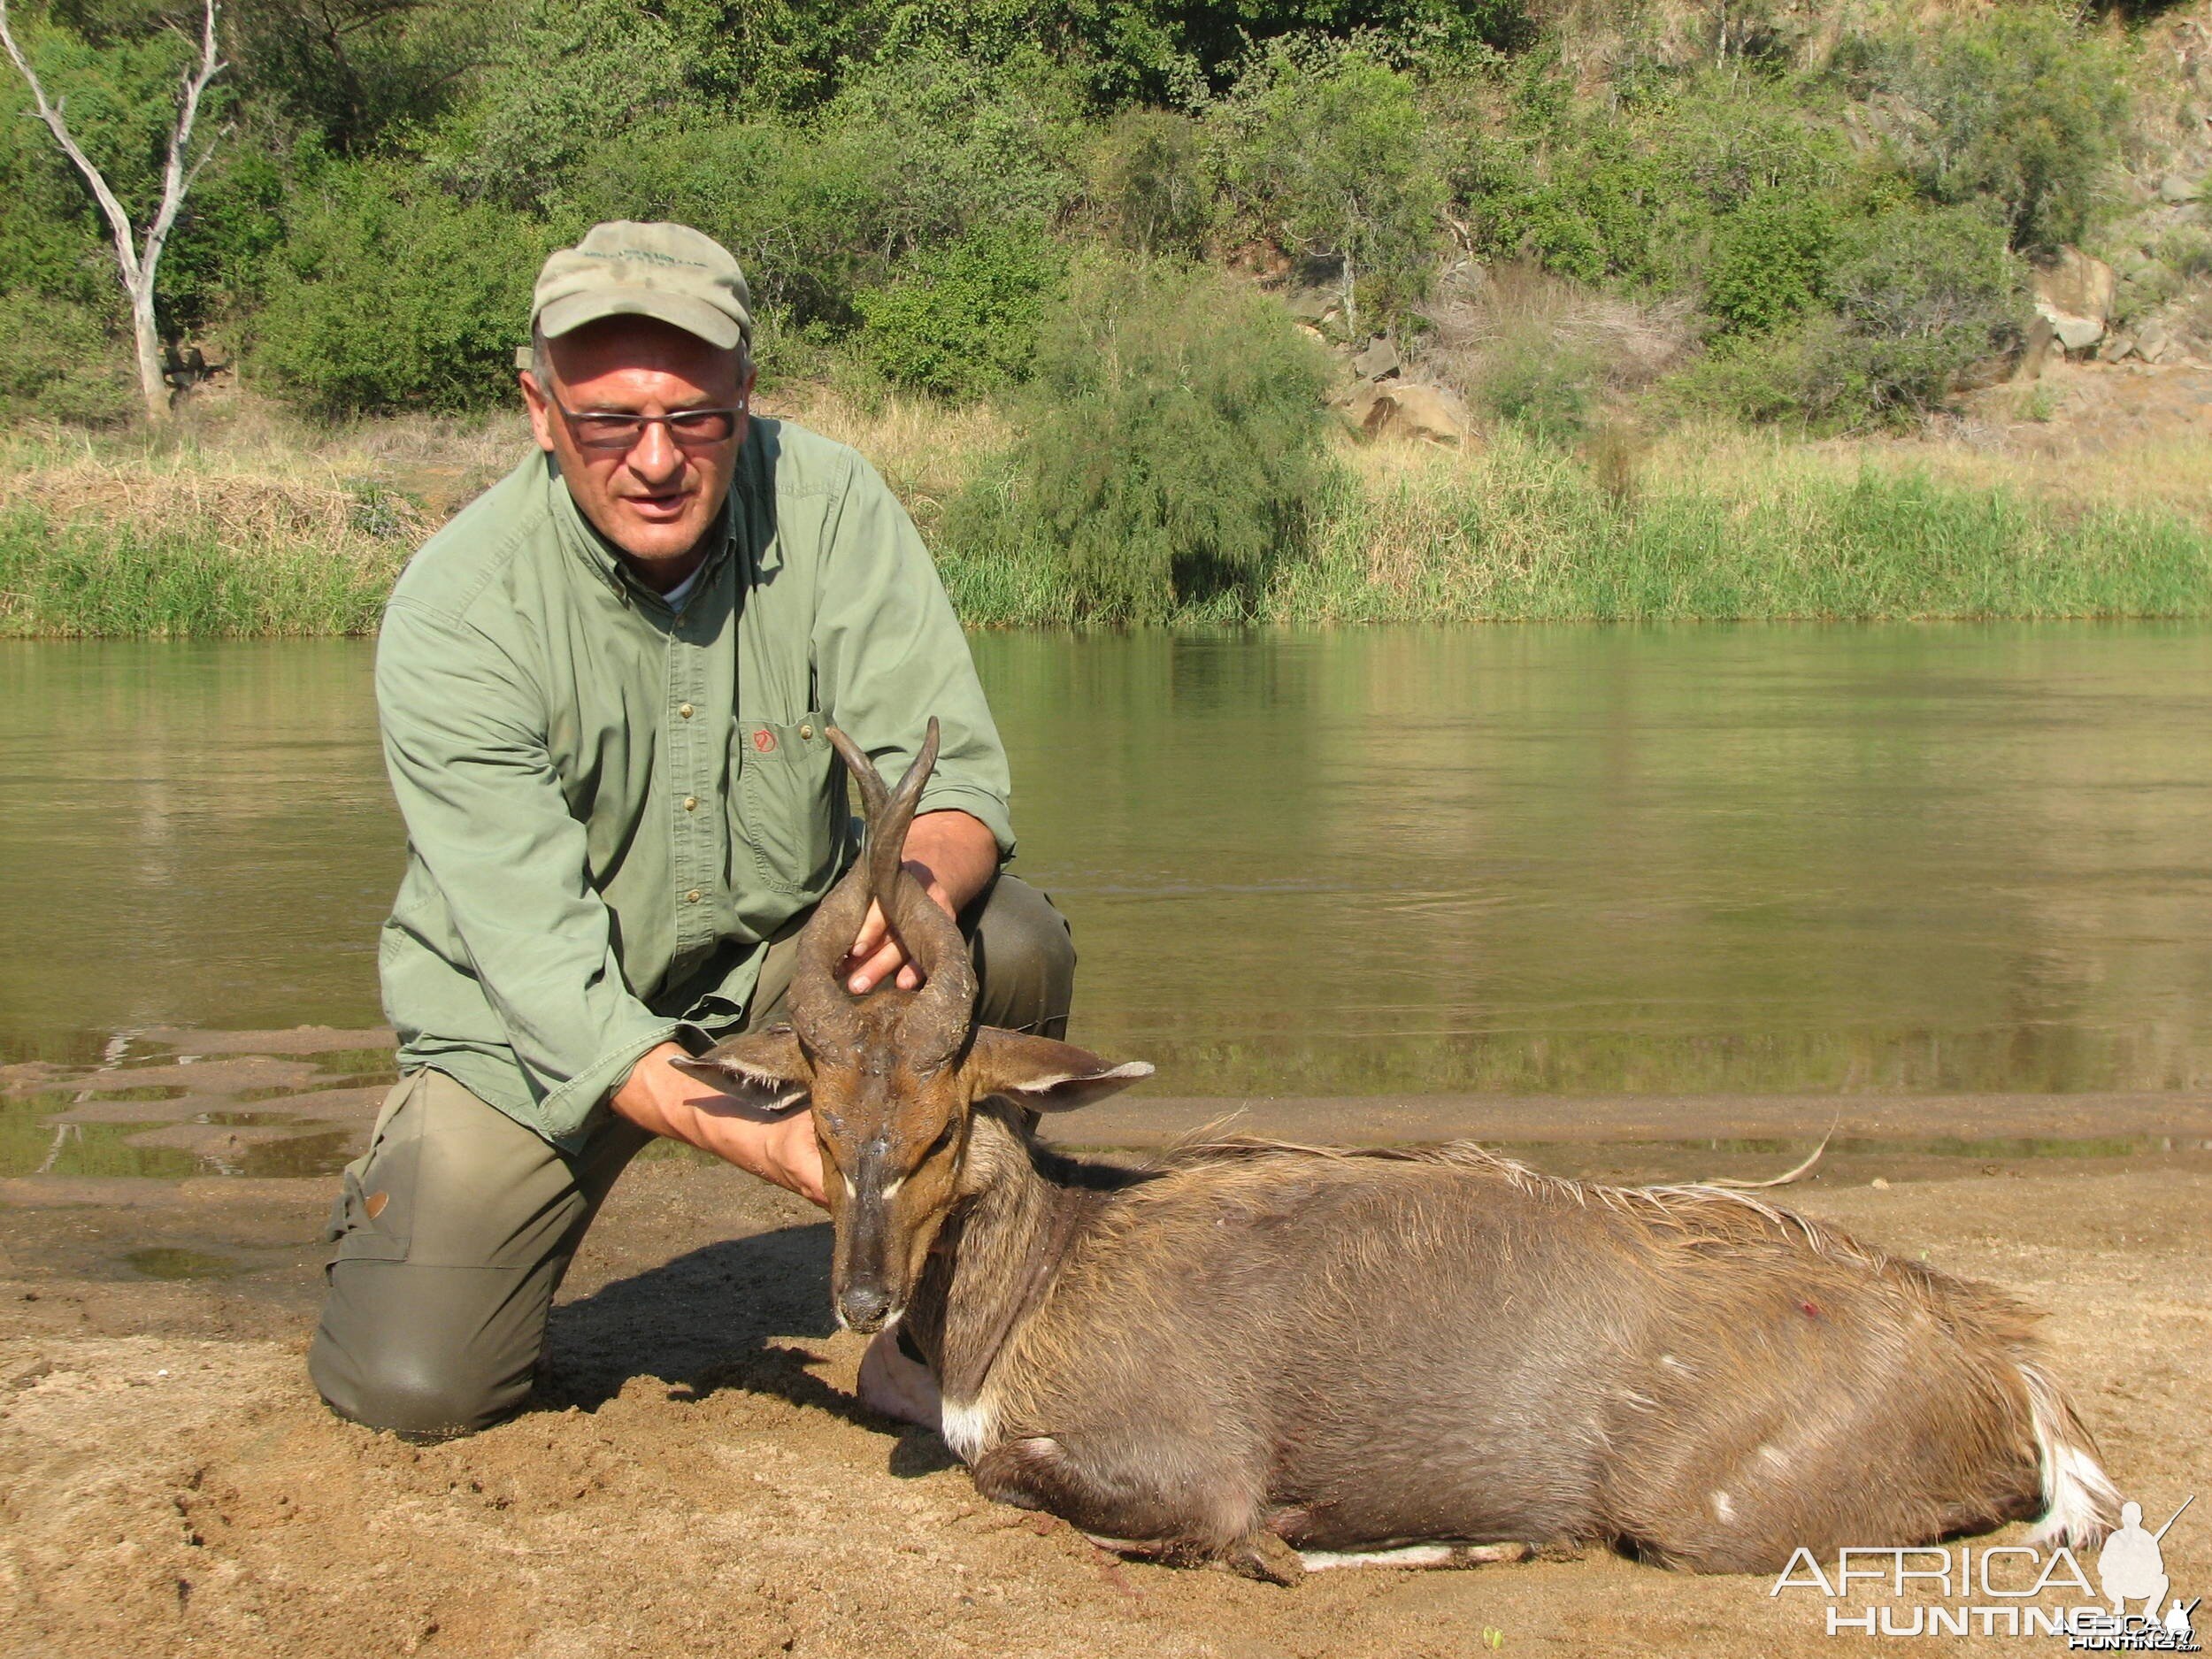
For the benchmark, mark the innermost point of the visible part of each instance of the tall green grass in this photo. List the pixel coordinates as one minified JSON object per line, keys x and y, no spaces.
{"x":1525,"y":532}
{"x":118,"y":579}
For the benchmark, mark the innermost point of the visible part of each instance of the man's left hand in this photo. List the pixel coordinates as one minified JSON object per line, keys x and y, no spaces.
{"x":954,"y":855}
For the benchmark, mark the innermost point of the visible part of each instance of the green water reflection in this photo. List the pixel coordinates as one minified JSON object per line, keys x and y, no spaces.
{"x":173,"y":1262}
{"x":1547,"y":860}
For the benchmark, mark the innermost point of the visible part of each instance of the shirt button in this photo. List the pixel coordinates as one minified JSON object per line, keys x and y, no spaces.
{"x":692,"y":897}
{"x":806,"y":732}
{"x":684,"y":709}
{"x":691,"y":803}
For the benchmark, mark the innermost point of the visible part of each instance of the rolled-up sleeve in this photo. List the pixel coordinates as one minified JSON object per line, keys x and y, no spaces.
{"x":466,"y":742}
{"x":889,"y":653}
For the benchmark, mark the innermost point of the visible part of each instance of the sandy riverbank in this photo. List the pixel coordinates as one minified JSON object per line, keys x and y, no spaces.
{"x":699,"y":1480}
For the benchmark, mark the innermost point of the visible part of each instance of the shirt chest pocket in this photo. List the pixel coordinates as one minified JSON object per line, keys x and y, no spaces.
{"x":790,"y":801}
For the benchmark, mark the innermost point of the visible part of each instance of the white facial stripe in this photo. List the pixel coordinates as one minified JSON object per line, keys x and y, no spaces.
{"x":891,"y":1188}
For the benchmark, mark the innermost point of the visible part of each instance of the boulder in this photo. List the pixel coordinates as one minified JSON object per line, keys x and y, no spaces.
{"x":2074,"y":286}
{"x":1358,"y":404}
{"x":1313,"y":305}
{"x":2076,"y":333}
{"x":1403,"y":408}
{"x":1379,"y":361}
{"x":2117,"y":347}
{"x":2174,"y":189}
{"x":2156,"y":343}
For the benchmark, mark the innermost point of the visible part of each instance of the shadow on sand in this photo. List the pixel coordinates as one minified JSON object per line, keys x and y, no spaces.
{"x":711,"y":1320}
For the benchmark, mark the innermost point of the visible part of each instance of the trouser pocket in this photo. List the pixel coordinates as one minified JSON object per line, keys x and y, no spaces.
{"x":372,"y":1217}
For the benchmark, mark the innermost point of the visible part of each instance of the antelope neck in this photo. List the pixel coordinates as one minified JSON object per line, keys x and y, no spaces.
{"x":1006,"y":1245}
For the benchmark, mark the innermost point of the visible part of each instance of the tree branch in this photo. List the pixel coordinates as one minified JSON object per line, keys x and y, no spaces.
{"x":175,"y":180}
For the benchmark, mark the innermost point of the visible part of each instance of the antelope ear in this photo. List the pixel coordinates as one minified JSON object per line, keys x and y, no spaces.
{"x":764,"y":1068}
{"x":1043,"y":1075}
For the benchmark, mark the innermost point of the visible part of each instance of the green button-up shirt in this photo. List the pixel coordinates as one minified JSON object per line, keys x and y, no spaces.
{"x":612,"y":804}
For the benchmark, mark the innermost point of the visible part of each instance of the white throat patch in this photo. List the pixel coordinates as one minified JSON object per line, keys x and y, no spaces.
{"x":967,"y":1428}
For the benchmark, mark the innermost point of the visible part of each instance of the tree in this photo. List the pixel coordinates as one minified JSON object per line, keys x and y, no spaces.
{"x":139,"y":259}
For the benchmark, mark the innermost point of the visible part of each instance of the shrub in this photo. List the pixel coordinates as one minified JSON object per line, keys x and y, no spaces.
{"x":962,"y":320}
{"x":927,"y":146}
{"x":2022,"y":109}
{"x":1772,"y":261}
{"x":1544,"y":385}
{"x":1175,"y":449}
{"x":1926,"y":295}
{"x":1920,"y":297}
{"x":391,"y":296}
{"x":1328,"y":155}
{"x":566,"y":76}
{"x":1151,"y":183}
{"x":59,"y":361}
{"x":1639,"y":195}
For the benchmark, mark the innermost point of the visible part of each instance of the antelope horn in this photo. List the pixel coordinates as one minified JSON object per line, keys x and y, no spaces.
{"x":822,"y":1011}
{"x":938,"y":1021}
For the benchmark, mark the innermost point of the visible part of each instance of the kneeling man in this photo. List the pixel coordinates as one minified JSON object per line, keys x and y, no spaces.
{"x":602,"y":690}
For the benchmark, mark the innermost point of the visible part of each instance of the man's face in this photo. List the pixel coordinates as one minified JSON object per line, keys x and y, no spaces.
{"x":657,"y":498}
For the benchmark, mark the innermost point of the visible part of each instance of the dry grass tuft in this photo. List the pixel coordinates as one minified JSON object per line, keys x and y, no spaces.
{"x":926,"y":451}
{"x":1490,"y":327}
{"x":235,"y":509}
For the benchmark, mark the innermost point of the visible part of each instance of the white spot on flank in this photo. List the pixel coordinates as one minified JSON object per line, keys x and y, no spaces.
{"x":966,"y":1425}
{"x":1772,"y":1457}
{"x":1724,"y":1507}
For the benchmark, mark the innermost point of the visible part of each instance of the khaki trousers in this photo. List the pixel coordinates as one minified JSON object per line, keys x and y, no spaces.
{"x":455,"y":1229}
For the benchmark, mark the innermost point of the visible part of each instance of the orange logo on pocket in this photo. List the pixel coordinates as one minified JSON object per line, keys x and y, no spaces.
{"x":765,"y":740}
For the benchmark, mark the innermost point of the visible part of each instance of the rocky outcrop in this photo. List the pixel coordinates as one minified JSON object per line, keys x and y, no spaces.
{"x":2074,"y":293}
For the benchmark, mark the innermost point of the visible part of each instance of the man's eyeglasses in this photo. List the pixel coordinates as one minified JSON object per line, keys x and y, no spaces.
{"x":693,"y":428}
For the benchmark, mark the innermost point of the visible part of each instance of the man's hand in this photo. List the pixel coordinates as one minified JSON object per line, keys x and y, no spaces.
{"x":954,"y":855}
{"x":782,"y":1149}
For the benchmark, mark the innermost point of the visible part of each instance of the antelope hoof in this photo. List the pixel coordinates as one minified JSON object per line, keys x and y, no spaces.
{"x":896,"y":1387}
{"x":1267,"y":1558}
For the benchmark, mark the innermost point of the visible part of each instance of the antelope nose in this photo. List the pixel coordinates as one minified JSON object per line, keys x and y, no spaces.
{"x":864,"y":1306}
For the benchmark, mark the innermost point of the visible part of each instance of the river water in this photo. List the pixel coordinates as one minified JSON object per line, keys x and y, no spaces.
{"x":1525,"y":859}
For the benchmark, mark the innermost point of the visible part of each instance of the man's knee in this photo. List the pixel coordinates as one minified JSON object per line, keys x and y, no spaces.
{"x":1025,"y":959}
{"x":401,"y":1351}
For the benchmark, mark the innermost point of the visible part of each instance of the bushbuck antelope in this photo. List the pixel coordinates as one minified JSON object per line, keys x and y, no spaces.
{"x":1266,"y":1355}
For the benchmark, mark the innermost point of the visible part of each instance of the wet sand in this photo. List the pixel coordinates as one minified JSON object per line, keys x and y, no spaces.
{"x":697,"y":1478}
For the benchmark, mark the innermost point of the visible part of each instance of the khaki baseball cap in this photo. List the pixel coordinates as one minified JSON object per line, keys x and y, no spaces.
{"x":673,"y":273}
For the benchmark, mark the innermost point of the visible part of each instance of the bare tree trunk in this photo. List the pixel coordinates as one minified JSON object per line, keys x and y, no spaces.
{"x":139,"y":260}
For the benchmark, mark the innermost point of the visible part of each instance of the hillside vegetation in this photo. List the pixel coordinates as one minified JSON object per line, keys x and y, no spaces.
{"x":1126,"y":249}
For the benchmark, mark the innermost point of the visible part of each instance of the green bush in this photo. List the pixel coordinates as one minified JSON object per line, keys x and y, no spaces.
{"x":1637,"y":194}
{"x":1772,"y":261}
{"x":2023,"y":110}
{"x":1175,"y":449}
{"x":1926,"y":295}
{"x":391,"y":296}
{"x":1327,"y":155}
{"x":1920,"y":297}
{"x":1152,"y":185}
{"x":1546,"y":386}
{"x":962,"y":320}
{"x":58,"y":362}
